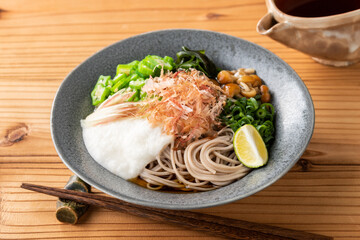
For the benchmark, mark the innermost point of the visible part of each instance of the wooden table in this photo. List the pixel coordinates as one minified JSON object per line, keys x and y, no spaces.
{"x":42,"y":41}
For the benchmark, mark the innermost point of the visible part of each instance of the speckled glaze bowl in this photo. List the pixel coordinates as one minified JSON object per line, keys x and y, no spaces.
{"x":332,"y":40}
{"x":293,"y":104}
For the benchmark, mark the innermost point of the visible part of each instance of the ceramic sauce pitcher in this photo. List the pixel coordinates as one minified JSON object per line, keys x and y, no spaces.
{"x":329,"y":39}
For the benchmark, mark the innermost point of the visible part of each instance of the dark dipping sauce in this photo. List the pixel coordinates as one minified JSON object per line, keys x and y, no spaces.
{"x":316,"y":8}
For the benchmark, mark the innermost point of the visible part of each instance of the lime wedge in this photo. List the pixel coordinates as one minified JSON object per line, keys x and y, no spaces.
{"x":250,"y":147}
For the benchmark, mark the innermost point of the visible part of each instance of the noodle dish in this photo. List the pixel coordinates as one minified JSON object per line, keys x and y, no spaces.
{"x":180,"y":124}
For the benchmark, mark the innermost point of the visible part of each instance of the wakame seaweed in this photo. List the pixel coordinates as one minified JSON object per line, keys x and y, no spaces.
{"x":196,"y":59}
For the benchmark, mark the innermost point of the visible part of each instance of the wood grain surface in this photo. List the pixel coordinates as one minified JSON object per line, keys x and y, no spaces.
{"x":41,"y":41}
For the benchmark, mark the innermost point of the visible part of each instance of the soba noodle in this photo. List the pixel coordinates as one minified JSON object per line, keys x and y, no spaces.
{"x":205,"y":164}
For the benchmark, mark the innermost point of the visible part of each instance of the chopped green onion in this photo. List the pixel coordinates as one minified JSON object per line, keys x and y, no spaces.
{"x":261,"y":113}
{"x":241,"y":111}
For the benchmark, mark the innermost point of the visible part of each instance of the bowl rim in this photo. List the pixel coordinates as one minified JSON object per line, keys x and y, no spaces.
{"x":190,"y":206}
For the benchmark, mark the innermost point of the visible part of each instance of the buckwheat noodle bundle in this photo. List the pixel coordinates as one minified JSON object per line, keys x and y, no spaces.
{"x":205,"y":164}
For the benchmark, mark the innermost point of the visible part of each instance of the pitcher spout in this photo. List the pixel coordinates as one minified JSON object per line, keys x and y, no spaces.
{"x":269,"y":26}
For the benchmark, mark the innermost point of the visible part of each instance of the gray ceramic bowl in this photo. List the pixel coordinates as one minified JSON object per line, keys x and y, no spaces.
{"x":292,"y":101}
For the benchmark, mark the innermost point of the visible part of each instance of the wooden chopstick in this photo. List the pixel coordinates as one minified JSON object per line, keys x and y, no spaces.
{"x":225,"y":227}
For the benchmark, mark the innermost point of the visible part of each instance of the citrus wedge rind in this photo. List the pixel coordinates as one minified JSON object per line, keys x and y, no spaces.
{"x":249,"y":147}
